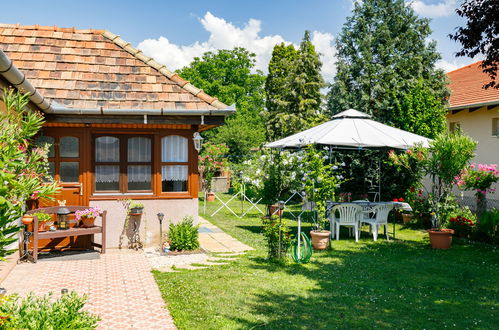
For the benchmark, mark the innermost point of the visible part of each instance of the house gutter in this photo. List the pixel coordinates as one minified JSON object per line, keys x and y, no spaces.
{"x":9,"y":71}
{"x":475,"y":105}
{"x":12,"y":74}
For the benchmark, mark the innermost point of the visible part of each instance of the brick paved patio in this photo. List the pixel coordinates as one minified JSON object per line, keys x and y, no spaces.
{"x":121,"y":288}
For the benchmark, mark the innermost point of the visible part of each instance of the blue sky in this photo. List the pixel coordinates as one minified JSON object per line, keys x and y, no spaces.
{"x":175,"y":31}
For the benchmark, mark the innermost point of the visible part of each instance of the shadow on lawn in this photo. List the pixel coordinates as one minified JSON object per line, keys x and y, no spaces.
{"x":383,"y":284}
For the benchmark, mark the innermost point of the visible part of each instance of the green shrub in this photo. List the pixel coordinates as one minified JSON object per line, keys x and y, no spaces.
{"x":487,"y":228}
{"x":183,"y":235}
{"x":39,"y":312}
{"x":278,"y":237}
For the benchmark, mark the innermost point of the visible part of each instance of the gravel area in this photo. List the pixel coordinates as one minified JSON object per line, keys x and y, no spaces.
{"x":158,"y":261}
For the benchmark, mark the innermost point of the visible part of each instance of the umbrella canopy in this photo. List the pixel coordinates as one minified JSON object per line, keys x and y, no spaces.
{"x":352,"y":129}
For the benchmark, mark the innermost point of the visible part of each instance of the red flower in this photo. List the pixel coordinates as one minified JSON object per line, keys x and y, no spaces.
{"x":401,"y":199}
{"x":413,"y":189}
{"x":395,"y":200}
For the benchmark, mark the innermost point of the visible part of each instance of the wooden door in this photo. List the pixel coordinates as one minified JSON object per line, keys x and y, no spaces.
{"x":66,"y":166}
{"x":65,"y":163}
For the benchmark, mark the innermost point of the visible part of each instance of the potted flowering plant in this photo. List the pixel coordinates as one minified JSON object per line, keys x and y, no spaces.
{"x":135,"y":208}
{"x":212,"y":160}
{"x":446,"y":157}
{"x":321,"y":181}
{"x":44,"y":220}
{"x":479,"y":177}
{"x":462,"y":226}
{"x":87,"y":216}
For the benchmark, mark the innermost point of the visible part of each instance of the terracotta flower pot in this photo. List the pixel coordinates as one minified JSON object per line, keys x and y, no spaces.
{"x":274,"y":210}
{"x":210,"y":197}
{"x":406,"y":217}
{"x":87,"y":222}
{"x":320,"y":239}
{"x":27,"y":220}
{"x":41,"y":226}
{"x":441,"y":239}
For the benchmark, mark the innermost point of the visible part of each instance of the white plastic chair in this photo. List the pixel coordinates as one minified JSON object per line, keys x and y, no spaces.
{"x":349,"y":215}
{"x":380,"y":219}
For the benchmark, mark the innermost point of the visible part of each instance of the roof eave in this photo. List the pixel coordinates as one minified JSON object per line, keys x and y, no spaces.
{"x":473,"y":105}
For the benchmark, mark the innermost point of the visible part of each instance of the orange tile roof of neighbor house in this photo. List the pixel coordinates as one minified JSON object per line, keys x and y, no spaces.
{"x":93,"y":69}
{"x":466,"y":87}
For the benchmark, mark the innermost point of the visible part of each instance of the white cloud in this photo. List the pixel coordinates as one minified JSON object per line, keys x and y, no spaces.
{"x":447,"y":66}
{"x":441,"y":9}
{"x":225,"y":35}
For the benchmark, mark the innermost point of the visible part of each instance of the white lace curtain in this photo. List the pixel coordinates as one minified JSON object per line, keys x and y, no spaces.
{"x":107,"y":173}
{"x":107,"y":149}
{"x":174,"y":173}
{"x":174,"y":149}
{"x":139,"y":149}
{"x":139,"y":173}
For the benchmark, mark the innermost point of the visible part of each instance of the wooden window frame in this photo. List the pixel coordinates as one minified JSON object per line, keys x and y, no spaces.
{"x":186,"y":163}
{"x":123,"y":164}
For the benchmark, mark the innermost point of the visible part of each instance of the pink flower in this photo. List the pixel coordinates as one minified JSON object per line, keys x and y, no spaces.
{"x":35,"y":194}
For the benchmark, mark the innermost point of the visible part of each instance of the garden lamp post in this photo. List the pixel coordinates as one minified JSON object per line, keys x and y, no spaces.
{"x":198,"y":140}
{"x":161,"y":216}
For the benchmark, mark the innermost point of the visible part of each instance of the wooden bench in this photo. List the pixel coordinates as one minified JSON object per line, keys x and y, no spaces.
{"x":73,"y":231}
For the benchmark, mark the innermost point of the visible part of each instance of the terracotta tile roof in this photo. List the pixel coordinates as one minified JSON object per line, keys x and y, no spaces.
{"x":466,"y":87}
{"x":90,"y":69}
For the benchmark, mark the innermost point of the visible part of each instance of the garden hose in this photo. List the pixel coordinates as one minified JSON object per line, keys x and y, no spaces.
{"x":301,"y":253}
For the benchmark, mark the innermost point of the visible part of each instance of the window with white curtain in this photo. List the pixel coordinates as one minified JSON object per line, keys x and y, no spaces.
{"x":123,"y":164}
{"x":174,"y":167}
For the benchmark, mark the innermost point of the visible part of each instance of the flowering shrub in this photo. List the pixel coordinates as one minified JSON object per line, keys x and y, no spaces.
{"x":462,"y":226}
{"x":446,"y":157}
{"x":92,"y":212}
{"x":321,"y":180}
{"x":479,"y":177}
{"x":24,"y":175}
{"x":212,"y":160}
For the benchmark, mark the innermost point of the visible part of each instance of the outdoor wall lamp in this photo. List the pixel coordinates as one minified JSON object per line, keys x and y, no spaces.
{"x":198,"y":140}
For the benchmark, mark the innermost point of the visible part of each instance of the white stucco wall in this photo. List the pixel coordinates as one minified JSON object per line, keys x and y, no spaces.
{"x":478,"y":125}
{"x":174,"y":210}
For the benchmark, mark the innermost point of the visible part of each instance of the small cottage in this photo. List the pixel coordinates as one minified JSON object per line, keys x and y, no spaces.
{"x":121,"y":125}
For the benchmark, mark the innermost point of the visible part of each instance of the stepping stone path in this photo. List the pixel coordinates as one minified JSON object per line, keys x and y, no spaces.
{"x":218,"y":247}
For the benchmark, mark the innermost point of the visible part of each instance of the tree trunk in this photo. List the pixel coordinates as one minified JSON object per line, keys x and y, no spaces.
{"x":481,"y":204}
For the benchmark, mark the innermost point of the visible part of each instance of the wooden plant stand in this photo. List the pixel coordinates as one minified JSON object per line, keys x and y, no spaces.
{"x":71,"y":232}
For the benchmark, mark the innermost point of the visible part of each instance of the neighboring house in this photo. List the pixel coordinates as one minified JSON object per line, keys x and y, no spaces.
{"x":121,"y":124}
{"x":475,"y":111}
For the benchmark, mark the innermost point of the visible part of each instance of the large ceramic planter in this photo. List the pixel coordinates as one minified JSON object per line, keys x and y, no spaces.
{"x":441,"y":239}
{"x":87,"y":222}
{"x":406,"y":217}
{"x":210,"y":197}
{"x":320,"y":239}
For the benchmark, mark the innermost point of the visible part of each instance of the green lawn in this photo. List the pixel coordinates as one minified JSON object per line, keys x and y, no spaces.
{"x":396,"y":284}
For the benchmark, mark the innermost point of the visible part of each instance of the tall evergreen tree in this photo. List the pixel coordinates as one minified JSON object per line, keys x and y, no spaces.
{"x":276,"y":84}
{"x":383,"y":53}
{"x":293,"y":89}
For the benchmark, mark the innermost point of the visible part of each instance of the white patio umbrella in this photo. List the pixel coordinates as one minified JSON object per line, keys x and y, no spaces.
{"x":352,"y":129}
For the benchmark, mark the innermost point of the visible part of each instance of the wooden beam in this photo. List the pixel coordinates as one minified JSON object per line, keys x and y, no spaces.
{"x":89,"y":119}
{"x":474,"y":109}
{"x":456,"y":111}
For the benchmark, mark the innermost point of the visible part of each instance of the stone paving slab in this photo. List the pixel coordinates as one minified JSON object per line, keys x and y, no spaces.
{"x":213,"y":239}
{"x":121,"y":288}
